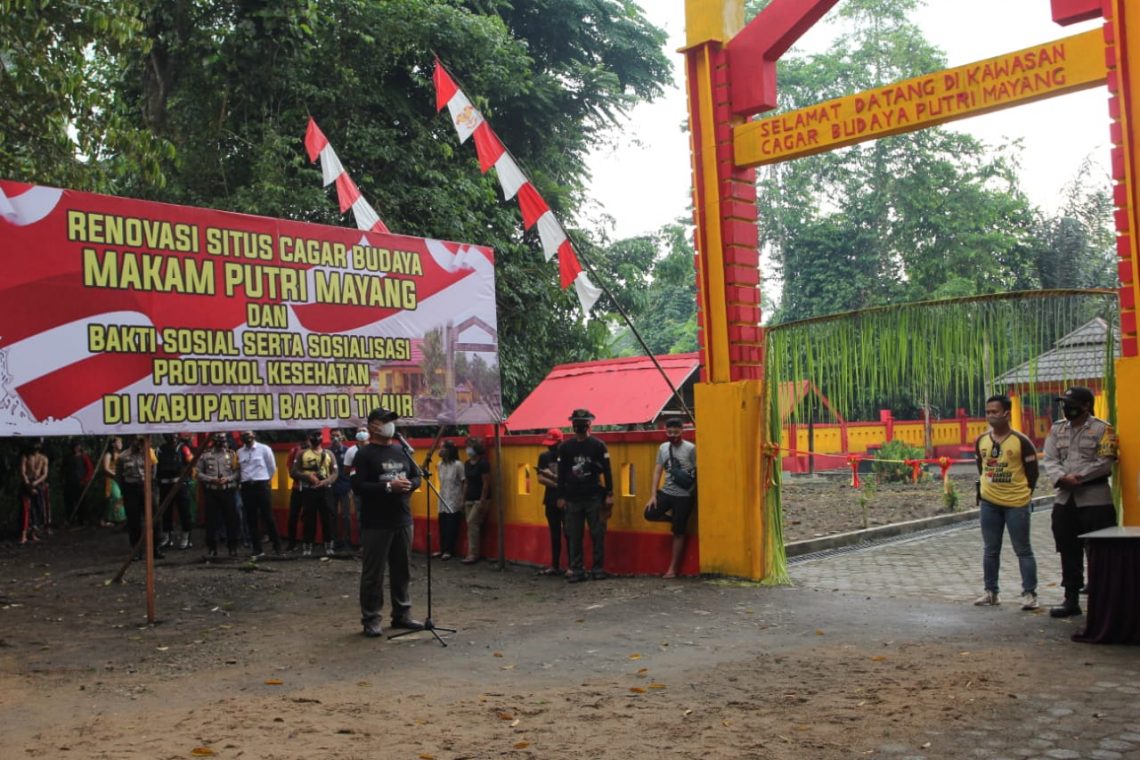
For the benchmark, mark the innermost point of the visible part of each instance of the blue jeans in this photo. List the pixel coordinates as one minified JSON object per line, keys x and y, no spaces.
{"x":994,"y":518}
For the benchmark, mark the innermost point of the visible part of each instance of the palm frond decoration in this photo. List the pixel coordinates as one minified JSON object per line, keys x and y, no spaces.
{"x":941,"y":354}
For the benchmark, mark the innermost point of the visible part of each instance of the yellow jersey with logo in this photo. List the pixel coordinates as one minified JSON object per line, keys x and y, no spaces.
{"x":319,"y":461}
{"x":1005,"y":478}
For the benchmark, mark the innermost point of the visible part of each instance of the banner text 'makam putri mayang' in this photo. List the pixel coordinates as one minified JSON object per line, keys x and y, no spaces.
{"x":125,"y":315}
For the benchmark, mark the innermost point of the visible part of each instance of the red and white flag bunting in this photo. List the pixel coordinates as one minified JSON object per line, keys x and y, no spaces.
{"x":470,"y":123}
{"x":348,"y":194}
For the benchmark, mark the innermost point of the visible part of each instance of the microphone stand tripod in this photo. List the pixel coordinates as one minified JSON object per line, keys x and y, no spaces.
{"x":425,"y":472}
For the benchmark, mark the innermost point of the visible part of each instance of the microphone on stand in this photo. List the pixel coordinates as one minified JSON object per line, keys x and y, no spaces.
{"x":404,"y":442}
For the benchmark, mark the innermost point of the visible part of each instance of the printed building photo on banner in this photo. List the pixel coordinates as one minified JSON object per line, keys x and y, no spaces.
{"x":121,"y":312}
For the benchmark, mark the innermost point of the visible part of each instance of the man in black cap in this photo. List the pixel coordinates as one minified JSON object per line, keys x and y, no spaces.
{"x":1079,"y":454}
{"x":384,"y":480}
{"x":581,"y":460}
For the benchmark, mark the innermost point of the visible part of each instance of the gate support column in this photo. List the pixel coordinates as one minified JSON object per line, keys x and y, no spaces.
{"x":729,"y":398}
{"x":1122,"y":54}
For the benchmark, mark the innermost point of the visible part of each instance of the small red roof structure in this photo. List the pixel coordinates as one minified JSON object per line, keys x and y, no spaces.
{"x":627,"y":391}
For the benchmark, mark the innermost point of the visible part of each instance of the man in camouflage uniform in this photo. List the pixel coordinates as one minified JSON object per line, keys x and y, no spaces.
{"x":1079,"y":454}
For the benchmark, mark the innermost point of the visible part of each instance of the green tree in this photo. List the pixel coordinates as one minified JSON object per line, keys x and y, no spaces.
{"x":231,"y":83}
{"x":659,"y":291}
{"x":925,"y":214}
{"x":57,"y":63}
{"x":1076,"y":246}
{"x":433,"y":362}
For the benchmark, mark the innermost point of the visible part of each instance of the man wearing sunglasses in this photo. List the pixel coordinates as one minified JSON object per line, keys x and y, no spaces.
{"x":1007,"y":472}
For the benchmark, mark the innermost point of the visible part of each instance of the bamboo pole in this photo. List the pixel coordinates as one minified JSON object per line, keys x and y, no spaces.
{"x":148,"y":528}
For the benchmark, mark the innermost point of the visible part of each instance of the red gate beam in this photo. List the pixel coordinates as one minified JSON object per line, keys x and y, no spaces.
{"x":752,"y":54}
{"x":1067,"y":12}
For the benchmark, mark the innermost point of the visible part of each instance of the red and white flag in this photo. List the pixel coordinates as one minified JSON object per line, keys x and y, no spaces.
{"x":348,"y":194}
{"x":492,"y":154}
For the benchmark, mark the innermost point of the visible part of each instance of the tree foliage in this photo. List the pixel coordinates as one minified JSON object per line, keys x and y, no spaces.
{"x":933,"y":213}
{"x":656,"y":283}
{"x":229,"y":85}
{"x":57,"y":126}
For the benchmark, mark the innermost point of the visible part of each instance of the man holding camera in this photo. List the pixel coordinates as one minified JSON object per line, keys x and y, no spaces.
{"x":677,"y":460}
{"x":384,"y":480}
{"x":581,"y":460}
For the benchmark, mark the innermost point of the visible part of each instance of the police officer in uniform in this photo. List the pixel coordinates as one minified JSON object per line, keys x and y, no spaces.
{"x":219,"y":472}
{"x":1079,"y":454}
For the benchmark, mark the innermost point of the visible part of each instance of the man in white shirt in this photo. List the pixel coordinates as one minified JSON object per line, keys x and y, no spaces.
{"x":258,"y":466}
{"x":349,"y":458}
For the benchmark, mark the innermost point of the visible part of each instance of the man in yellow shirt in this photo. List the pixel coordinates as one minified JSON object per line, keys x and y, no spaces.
{"x":1007,"y":469}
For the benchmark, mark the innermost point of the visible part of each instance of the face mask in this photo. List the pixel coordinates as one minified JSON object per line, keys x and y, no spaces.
{"x":388,"y":429}
{"x":362,"y":437}
{"x":581,"y":427}
{"x":470,"y":452}
{"x":1071,"y":411}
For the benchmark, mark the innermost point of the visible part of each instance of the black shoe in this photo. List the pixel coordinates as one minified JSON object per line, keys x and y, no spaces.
{"x":1068,"y":608}
{"x":599,"y":575}
{"x":407,"y":624}
{"x":373,"y":630}
{"x":159,"y":555}
{"x":576,"y":578}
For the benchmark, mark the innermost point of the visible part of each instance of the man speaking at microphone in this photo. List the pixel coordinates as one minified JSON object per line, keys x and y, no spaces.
{"x":384,"y":480}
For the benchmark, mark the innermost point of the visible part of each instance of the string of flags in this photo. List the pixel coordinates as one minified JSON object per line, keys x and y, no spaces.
{"x":347,"y":193}
{"x":469,"y":123}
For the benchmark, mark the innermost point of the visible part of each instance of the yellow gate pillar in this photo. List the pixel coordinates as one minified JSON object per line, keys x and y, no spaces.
{"x":1122,"y":54}
{"x":731,"y":74}
{"x":729,"y":398}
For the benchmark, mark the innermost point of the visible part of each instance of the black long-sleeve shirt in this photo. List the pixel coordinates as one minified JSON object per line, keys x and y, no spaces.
{"x":579,"y":465}
{"x":376,"y":466}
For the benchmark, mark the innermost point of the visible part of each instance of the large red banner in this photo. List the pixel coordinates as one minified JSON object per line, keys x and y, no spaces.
{"x":119,"y":314}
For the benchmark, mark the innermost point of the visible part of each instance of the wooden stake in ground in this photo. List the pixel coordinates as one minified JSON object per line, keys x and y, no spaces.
{"x":148,"y":529}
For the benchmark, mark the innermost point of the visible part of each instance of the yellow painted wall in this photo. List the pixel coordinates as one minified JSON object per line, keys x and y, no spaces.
{"x":860,"y":436}
{"x":632,"y":465}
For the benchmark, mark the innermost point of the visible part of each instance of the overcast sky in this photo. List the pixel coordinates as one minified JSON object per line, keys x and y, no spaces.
{"x":642,"y":181}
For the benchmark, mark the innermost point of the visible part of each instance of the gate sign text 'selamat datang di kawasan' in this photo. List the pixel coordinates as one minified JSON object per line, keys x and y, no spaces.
{"x":123,"y":314}
{"x":1055,"y":68}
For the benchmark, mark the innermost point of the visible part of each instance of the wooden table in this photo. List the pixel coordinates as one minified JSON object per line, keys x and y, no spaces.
{"x":1113,"y":614}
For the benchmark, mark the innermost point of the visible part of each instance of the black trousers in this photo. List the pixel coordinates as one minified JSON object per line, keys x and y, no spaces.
{"x":221,"y":510}
{"x":294,"y":515}
{"x":316,"y":502}
{"x":180,"y":502}
{"x":134,"y":504}
{"x":382,"y":549}
{"x":449,"y":523}
{"x":554,"y":523}
{"x":1069,"y":522}
{"x":258,"y":506}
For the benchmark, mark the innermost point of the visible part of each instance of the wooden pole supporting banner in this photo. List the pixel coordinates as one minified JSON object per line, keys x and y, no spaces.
{"x":148,"y":528}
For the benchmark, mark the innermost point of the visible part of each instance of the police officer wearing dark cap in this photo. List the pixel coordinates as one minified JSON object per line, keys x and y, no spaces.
{"x":581,"y":461}
{"x":1079,"y":454}
{"x":384,"y":480}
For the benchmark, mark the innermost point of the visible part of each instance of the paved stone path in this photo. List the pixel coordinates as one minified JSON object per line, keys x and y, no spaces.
{"x":944,"y":565}
{"x":1091,"y":711}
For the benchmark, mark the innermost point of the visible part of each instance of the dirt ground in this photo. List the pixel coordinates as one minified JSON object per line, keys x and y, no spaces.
{"x":826,"y":505}
{"x":270,"y":663}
